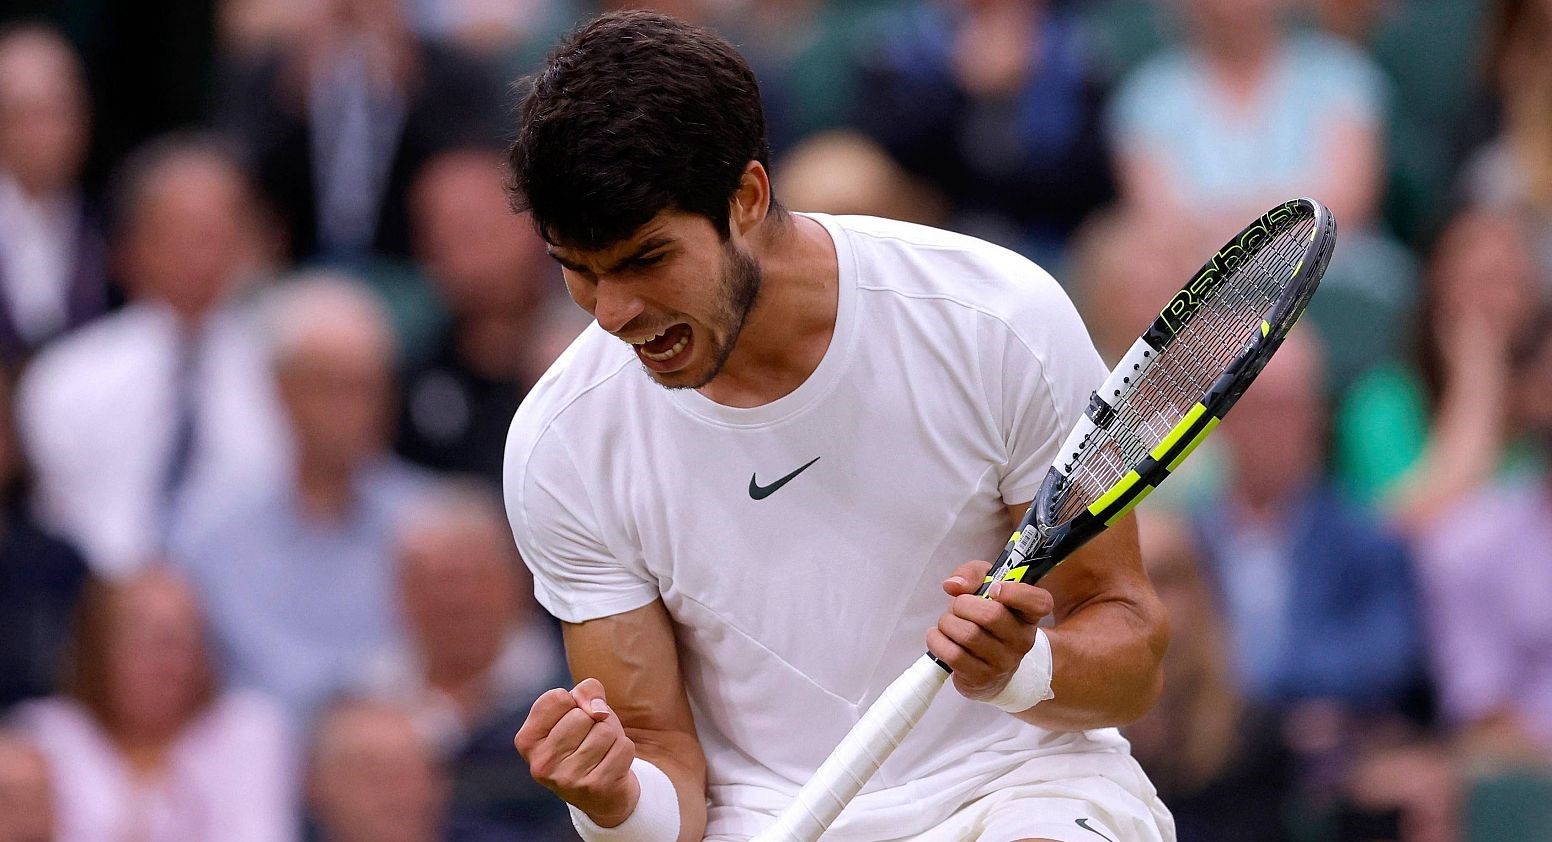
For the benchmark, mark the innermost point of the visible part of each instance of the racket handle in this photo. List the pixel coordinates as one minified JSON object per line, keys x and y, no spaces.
{"x":866,"y":746}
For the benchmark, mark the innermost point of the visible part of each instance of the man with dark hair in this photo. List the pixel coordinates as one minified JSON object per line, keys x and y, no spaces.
{"x":743,"y":561}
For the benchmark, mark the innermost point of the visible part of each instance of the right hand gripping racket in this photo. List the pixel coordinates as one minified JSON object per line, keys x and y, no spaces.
{"x":1170,"y":390}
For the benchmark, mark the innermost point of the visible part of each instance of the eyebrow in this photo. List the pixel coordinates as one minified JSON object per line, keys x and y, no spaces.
{"x":650,"y":244}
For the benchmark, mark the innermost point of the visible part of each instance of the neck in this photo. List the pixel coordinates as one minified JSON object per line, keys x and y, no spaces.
{"x":1240,"y":60}
{"x":790,"y":326}
{"x":145,"y":750}
{"x":325,"y":492}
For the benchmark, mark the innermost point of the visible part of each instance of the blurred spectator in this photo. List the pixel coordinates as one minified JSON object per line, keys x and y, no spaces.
{"x":372,"y":778}
{"x":339,"y":120}
{"x":842,"y":172}
{"x":298,"y":577}
{"x":1249,"y":113}
{"x":137,"y":421}
{"x":492,"y":274}
{"x":1417,"y":437}
{"x":1408,"y":791}
{"x":1319,"y":597}
{"x":1487,"y":567}
{"x":1513,"y":173}
{"x":1216,"y":758}
{"x":145,"y":745}
{"x":53,"y":264}
{"x":479,"y":653}
{"x":40,"y":580}
{"x":804,"y":54}
{"x":997,"y":105}
{"x":26,"y":802}
{"x":511,"y":33}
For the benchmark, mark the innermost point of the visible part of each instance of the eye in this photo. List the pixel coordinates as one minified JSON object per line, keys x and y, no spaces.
{"x":647,"y":262}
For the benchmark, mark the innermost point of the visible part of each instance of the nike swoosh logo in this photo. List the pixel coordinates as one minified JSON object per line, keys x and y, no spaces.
{"x":1084,"y":823}
{"x":760,"y":492}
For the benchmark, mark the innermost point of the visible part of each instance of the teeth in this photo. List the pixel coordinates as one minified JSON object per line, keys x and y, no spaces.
{"x":670,"y":353}
{"x":645,"y":339}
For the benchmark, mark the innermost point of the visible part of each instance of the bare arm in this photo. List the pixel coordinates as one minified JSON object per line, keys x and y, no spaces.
{"x":632,"y":661}
{"x":1106,"y":646}
{"x":1109,"y":637}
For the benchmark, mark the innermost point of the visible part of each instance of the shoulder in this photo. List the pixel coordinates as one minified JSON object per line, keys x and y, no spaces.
{"x":946,"y":277}
{"x":1155,"y":81}
{"x":105,"y":345}
{"x":929,"y":264}
{"x":246,"y":716}
{"x":1336,"y":68}
{"x":574,"y":396}
{"x":55,"y":721}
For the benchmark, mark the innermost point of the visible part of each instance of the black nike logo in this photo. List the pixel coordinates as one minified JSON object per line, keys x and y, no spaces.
{"x":760,"y":492}
{"x":1084,"y":823}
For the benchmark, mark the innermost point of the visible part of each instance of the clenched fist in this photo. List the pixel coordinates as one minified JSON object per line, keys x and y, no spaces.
{"x":576,"y":747}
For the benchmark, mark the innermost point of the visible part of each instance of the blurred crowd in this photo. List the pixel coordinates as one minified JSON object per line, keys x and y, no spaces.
{"x":265,"y":316}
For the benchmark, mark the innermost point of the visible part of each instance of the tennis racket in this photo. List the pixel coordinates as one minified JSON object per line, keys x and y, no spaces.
{"x":1163,"y":399}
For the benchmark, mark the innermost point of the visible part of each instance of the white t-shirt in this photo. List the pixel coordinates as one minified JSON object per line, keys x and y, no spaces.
{"x":955,"y":370}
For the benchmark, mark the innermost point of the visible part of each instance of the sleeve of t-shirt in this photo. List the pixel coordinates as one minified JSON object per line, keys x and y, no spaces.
{"x":577,"y":575}
{"x":1039,"y":366}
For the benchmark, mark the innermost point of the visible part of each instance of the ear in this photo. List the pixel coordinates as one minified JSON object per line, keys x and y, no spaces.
{"x":751,"y":202}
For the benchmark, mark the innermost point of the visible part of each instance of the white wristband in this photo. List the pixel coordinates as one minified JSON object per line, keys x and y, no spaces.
{"x":1031,"y":682}
{"x":655,"y":819}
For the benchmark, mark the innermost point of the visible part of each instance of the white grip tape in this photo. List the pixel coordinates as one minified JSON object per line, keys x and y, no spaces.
{"x":866,"y":746}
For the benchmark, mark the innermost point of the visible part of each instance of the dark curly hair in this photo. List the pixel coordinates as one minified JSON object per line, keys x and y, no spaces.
{"x":632,"y":114}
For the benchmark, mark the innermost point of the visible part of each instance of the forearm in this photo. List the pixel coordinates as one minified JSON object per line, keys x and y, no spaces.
{"x":679,"y":757}
{"x":1106,"y":671}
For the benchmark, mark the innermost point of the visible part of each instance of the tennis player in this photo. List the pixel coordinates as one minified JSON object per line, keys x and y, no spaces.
{"x":762,"y":476}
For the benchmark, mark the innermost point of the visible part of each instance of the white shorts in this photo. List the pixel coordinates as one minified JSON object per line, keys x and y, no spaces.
{"x":1120,"y":805}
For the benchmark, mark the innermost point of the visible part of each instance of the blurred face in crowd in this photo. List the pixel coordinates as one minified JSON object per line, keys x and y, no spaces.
{"x":26,"y":800}
{"x":43,"y":111}
{"x":674,"y":290}
{"x":156,"y":669}
{"x":459,"y":589}
{"x":373,"y":778}
{"x":481,"y":256}
{"x":190,"y":233}
{"x":1484,"y":269}
{"x":336,"y":386}
{"x":1276,"y":433}
{"x":1128,"y":264}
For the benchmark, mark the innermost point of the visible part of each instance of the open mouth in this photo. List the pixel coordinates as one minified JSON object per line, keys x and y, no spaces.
{"x":658,"y":352}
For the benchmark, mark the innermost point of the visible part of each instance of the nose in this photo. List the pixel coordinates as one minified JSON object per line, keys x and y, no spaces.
{"x":614,"y":305}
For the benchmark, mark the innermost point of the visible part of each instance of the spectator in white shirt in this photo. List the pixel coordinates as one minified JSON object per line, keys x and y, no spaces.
{"x":52,"y":258}
{"x":144,"y":746}
{"x":136,"y":421}
{"x":299,"y":577}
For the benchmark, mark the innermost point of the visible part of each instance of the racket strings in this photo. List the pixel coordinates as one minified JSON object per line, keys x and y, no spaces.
{"x":1224,"y":323}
